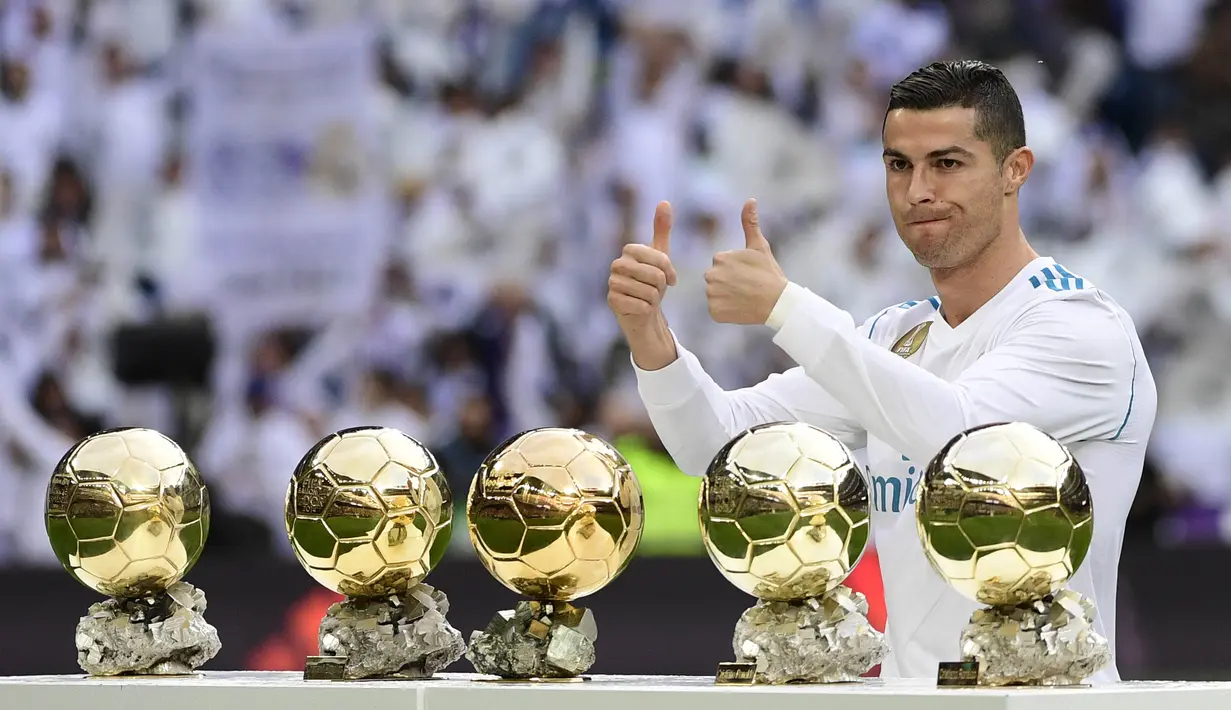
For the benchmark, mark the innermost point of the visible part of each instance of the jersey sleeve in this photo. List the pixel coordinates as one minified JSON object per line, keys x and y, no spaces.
{"x":695,"y":417}
{"x":1066,"y":366}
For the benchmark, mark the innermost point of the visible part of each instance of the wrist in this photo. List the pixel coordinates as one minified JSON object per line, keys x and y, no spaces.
{"x":786,"y":304}
{"x":652,"y":347}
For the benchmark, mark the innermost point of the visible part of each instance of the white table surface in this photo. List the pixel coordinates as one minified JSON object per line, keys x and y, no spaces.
{"x":455,"y":691}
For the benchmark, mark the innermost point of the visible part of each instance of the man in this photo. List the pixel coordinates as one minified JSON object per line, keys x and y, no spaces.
{"x":1010,"y":336}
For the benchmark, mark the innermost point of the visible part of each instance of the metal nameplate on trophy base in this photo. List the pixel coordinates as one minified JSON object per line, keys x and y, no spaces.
{"x":325,"y":668}
{"x":736,"y":673}
{"x":536,"y":680}
{"x":334,"y":668}
{"x":957,"y":674}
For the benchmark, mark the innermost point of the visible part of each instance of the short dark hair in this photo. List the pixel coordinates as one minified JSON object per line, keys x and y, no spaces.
{"x":967,"y":84}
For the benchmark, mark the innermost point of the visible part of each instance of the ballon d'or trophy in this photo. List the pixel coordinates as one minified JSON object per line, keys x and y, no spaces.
{"x":127,"y":515}
{"x":555,"y":514}
{"x":369,"y":514}
{"x":785,"y":515}
{"x":1005,"y":517}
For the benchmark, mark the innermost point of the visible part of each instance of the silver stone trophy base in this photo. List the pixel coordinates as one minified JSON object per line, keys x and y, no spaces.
{"x":1051,"y":642}
{"x":158,"y":634}
{"x":395,"y":637}
{"x":536,"y":641}
{"x":825,"y":639}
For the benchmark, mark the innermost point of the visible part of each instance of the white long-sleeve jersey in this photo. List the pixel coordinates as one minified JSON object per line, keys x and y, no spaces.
{"x":1049,"y":349}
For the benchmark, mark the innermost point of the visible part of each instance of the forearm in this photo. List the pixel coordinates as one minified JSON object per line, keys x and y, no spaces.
{"x":693,"y":416}
{"x":901,"y":404}
{"x":905,"y":406}
{"x":652,"y":347}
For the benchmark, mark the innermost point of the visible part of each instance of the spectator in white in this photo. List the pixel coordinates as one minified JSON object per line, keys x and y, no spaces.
{"x":456,"y":378}
{"x":396,"y":332}
{"x":19,"y":240}
{"x":250,"y":454}
{"x":420,"y":35}
{"x":130,"y":130}
{"x":439,"y":227}
{"x":146,"y":28}
{"x":892,"y":37}
{"x":29,"y":448}
{"x":1052,"y":129}
{"x":259,"y":15}
{"x":31,"y":121}
{"x":1220,"y":288}
{"x":561,"y":82}
{"x":1190,"y":443}
{"x":514,"y":334}
{"x":1159,"y":35}
{"x":512,"y":168}
{"x":653,"y":92}
{"x":849,"y":106}
{"x":384,"y":399}
{"x":1176,"y":210}
{"x":169,"y":249}
{"x":759,"y":146}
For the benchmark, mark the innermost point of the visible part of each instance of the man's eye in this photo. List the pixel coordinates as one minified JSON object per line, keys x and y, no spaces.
{"x":948,"y":164}
{"x":898,"y":165}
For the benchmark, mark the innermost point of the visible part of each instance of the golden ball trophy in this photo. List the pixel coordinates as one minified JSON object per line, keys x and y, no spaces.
{"x":127,"y":515}
{"x":555,"y":514}
{"x":1005,"y":517}
{"x":369,"y":513}
{"x":785,"y":517}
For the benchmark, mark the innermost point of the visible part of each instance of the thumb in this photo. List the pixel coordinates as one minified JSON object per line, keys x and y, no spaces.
{"x":662,"y":228}
{"x":752,"y":228}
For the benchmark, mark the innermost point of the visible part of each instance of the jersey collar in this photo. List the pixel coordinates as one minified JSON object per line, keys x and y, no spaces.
{"x":941,"y":331}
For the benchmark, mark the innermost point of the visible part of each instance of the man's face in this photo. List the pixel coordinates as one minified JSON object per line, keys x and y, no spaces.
{"x":946,"y":189}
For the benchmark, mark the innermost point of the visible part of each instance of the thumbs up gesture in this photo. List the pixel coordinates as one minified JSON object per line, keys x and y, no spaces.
{"x":640,"y":277}
{"x":744,"y":285}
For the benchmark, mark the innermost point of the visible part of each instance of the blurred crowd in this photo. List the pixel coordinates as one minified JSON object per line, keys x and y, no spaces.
{"x":524,"y":142}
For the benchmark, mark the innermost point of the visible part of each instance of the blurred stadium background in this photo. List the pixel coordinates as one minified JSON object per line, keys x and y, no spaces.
{"x":248,"y":223}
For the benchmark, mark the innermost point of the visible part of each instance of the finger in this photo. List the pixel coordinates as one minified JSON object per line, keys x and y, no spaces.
{"x":624,"y":305}
{"x":640,"y":253}
{"x":645,"y":273}
{"x":662,"y":228}
{"x":752,"y":227}
{"x":627,"y":286}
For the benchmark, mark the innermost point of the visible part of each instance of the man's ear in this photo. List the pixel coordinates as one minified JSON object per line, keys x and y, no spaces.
{"x":1017,"y":169}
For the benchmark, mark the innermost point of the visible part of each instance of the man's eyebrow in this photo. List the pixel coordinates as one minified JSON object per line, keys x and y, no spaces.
{"x":940,"y":153}
{"x":953,"y":149}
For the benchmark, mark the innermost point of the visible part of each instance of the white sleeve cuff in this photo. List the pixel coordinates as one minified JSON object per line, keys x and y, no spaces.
{"x":786,"y":305}
{"x":669,"y":386}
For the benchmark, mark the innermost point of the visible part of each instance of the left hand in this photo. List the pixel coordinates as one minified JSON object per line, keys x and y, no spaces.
{"x":743,"y":286}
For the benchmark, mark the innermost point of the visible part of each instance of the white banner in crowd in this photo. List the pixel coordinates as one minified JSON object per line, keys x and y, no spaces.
{"x":282,"y":159}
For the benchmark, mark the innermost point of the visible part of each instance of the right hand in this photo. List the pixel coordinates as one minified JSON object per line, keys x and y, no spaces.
{"x":640,"y":277}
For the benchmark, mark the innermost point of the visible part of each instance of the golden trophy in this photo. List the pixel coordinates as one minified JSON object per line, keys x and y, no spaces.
{"x":1005,"y":517}
{"x":785,"y":517}
{"x":369,"y":513}
{"x":555,"y":515}
{"x":127,"y":515}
